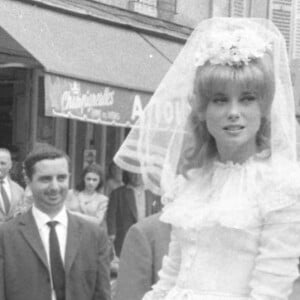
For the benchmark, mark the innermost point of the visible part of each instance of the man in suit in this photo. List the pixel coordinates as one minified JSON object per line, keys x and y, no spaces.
{"x":11,"y":193}
{"x":145,"y":245}
{"x":128,"y":204}
{"x":47,"y":253}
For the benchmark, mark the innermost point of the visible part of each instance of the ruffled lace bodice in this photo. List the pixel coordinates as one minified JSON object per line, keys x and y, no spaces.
{"x":236,"y":233}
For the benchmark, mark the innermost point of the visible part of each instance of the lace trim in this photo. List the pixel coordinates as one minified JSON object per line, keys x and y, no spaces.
{"x":178,"y":293}
{"x":235,"y":196}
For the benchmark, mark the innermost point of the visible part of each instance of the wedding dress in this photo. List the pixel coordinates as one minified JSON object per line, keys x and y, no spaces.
{"x":234,"y":232}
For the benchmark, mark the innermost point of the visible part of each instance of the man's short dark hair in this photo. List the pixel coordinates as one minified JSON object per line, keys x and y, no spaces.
{"x":40,"y":152}
{"x":127,"y":177}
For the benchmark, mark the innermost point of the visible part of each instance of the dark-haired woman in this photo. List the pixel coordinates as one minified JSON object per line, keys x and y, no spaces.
{"x":88,"y":198}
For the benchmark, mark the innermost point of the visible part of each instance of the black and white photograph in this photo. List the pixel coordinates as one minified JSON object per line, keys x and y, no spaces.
{"x":149,"y":149}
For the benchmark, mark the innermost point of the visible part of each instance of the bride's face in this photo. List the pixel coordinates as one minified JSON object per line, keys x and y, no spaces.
{"x":233,"y":118}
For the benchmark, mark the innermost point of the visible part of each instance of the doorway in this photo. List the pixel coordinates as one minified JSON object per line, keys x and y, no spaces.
{"x":6,"y":114}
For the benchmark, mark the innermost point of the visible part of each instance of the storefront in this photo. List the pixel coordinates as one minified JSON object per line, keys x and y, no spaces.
{"x":75,"y":82}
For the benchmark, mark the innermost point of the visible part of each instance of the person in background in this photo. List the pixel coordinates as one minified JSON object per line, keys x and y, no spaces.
{"x":145,"y":244}
{"x":128,"y":204}
{"x":11,"y":193}
{"x":87,"y":198}
{"x":114,"y":178}
{"x":16,"y":172}
{"x":48,"y":253}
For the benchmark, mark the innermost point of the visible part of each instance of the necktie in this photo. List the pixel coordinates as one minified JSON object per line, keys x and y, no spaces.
{"x":5,"y":198}
{"x":57,"y":268}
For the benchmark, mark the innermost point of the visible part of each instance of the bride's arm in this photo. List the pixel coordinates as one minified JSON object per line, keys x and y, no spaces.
{"x":169,"y":271}
{"x":276,"y":266}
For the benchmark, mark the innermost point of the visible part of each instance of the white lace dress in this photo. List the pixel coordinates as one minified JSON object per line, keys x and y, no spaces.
{"x":236,"y":233}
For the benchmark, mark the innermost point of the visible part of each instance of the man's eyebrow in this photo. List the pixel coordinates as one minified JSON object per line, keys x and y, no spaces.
{"x":45,"y":176}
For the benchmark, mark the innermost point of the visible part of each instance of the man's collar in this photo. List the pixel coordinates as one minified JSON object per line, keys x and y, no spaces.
{"x":41,"y":218}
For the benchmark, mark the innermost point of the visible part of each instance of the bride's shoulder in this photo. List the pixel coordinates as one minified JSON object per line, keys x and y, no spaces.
{"x":278,"y":179}
{"x":180,"y":185}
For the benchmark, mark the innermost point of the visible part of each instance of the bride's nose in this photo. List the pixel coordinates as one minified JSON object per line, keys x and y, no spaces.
{"x":234,"y":111}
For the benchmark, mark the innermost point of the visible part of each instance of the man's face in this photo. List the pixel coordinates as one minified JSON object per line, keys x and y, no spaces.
{"x":135,"y":179}
{"x":49,"y":185}
{"x":5,"y":164}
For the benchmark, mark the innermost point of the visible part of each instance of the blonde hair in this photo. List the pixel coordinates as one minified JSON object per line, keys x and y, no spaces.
{"x":257,"y":75}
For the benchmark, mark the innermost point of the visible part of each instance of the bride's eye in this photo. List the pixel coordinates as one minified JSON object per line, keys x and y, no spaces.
{"x":248,"y":98}
{"x":219,"y":100}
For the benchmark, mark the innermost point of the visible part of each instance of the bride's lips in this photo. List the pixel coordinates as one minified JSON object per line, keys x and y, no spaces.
{"x":233,"y":128}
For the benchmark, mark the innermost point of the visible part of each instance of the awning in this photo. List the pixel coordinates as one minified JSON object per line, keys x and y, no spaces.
{"x":85,"y":57}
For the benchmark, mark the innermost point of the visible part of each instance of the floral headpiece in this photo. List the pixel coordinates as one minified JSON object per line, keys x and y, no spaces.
{"x":233,"y":48}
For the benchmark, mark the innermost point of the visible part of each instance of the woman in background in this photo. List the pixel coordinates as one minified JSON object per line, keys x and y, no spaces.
{"x":87,"y":198}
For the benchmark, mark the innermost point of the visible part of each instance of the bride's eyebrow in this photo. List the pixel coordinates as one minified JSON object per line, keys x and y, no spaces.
{"x":249,"y":93}
{"x":219,"y":94}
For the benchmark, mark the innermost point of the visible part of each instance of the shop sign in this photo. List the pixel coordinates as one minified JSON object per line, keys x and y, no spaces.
{"x":94,"y":103}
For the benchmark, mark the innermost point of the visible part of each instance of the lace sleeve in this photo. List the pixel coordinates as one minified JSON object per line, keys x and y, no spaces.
{"x":168,"y":273}
{"x":276,"y":264}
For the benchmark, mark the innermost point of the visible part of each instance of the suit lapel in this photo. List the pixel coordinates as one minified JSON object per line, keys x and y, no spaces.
{"x":73,"y":241}
{"x":31,"y":234}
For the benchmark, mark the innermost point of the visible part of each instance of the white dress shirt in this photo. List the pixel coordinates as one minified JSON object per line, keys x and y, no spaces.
{"x":140,"y":200}
{"x":41,"y":220}
{"x":7,"y":189}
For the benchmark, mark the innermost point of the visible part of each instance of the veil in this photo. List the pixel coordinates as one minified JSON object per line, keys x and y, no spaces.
{"x":155,"y":144}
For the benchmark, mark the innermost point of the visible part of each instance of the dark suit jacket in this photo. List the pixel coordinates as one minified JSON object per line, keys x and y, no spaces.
{"x":122,"y":212}
{"x":141,"y":258}
{"x":17,"y":197}
{"x":24,"y":271}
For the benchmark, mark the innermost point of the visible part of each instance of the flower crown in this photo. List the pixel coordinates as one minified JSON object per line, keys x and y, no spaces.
{"x":233,"y":48}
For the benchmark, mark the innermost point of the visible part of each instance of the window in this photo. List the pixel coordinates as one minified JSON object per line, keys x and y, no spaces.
{"x":145,"y":7}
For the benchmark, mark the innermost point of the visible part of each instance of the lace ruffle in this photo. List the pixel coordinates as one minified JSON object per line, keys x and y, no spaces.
{"x":178,"y":293}
{"x":233,"y":195}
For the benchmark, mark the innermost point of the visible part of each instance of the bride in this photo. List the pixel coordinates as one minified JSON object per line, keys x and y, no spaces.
{"x":227,"y":171}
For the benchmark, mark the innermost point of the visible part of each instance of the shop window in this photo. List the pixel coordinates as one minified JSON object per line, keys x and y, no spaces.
{"x":221,"y":8}
{"x":166,"y":9}
{"x":145,"y":7}
{"x":238,"y":8}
